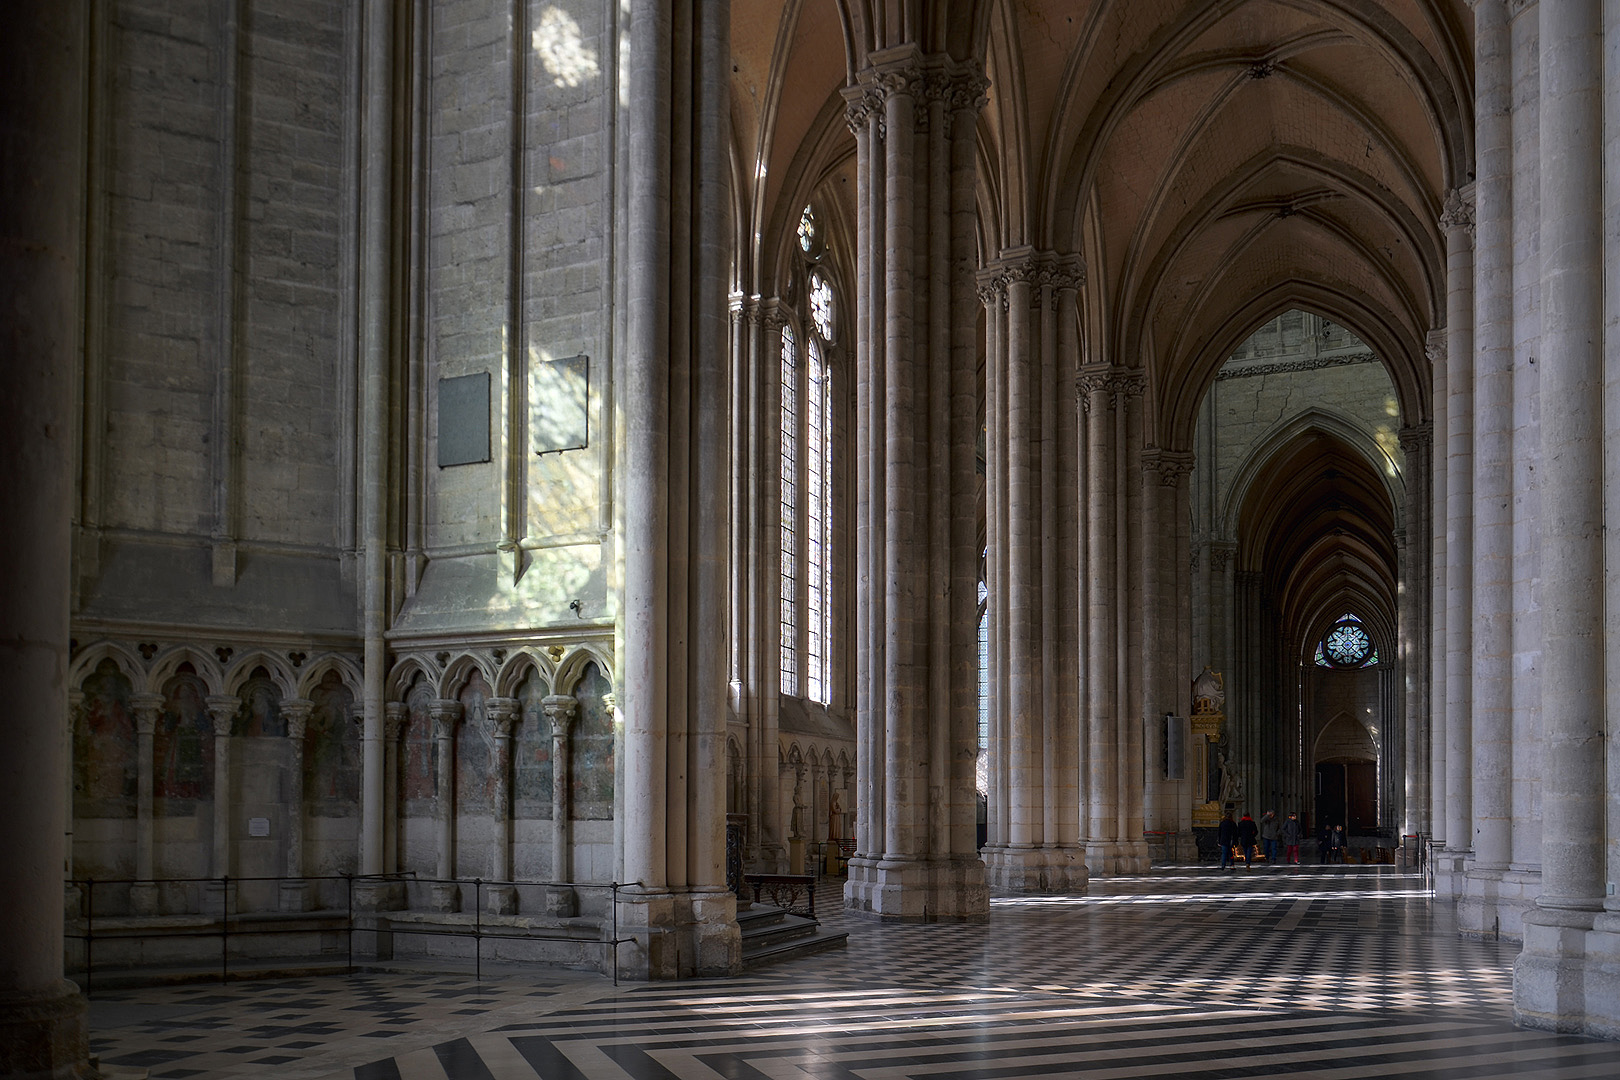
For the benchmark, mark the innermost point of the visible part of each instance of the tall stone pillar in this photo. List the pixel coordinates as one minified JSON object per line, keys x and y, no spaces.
{"x":1102,"y":781}
{"x":1000,"y":750}
{"x":1435,"y":352}
{"x":1491,"y":648}
{"x":1416,"y":450}
{"x":1032,"y":458}
{"x":1164,"y":505}
{"x":143,"y":895}
{"x":1458,"y":224}
{"x":295,"y":890}
{"x":220,"y":896}
{"x":561,"y":709}
{"x":672,"y":399}
{"x":42,"y":126}
{"x":914,"y":117}
{"x":445,"y":894}
{"x":1551,"y":984}
{"x":502,"y":897}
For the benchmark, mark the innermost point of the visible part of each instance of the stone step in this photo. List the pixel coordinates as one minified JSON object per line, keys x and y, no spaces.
{"x":770,"y":934}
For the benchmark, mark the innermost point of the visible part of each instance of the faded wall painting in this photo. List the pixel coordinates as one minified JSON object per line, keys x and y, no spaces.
{"x":475,"y":782}
{"x":419,"y":754}
{"x":104,"y":747}
{"x":593,"y":748}
{"x":261,"y":707}
{"x":531,"y":753}
{"x":182,"y":746}
{"x":332,"y":751}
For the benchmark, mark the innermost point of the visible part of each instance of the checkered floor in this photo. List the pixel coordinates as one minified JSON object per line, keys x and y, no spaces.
{"x":1324,"y":972}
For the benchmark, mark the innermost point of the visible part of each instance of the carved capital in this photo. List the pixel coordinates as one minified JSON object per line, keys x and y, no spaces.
{"x":1169,"y":465}
{"x":296,"y":712}
{"x":502,"y":713}
{"x":147,"y":709}
{"x":1458,"y":211}
{"x":1221,"y":554}
{"x":1094,"y":382}
{"x":561,"y":709}
{"x":1417,"y":439}
{"x":1434,"y":347}
{"x":395,"y":714}
{"x":1519,"y":7}
{"x":611,"y":703}
{"x":222,"y":709}
{"x":446,"y":714}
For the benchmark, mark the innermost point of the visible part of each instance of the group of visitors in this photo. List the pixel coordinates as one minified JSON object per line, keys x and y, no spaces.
{"x":1237,"y":839}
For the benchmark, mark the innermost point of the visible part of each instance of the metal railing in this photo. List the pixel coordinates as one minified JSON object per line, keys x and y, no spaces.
{"x":226,"y":925}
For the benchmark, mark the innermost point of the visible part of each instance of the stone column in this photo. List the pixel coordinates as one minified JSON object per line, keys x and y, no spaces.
{"x":915,"y":116}
{"x":445,"y":893}
{"x":999,"y":797}
{"x":144,"y":895}
{"x":1102,"y":782}
{"x":220,"y":896}
{"x":1458,"y":224}
{"x":502,"y":897}
{"x":394,"y":720}
{"x":1435,"y":352}
{"x":561,"y":900}
{"x":1491,"y":647}
{"x":295,"y":892}
{"x":1552,"y":986}
{"x":1416,"y":449}
{"x":673,"y":401}
{"x":42,"y":126}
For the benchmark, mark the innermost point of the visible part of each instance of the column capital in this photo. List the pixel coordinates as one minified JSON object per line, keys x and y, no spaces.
{"x":502,"y":713}
{"x":1170,"y":465}
{"x":561,"y":709}
{"x":222,"y":708}
{"x":296,"y":712}
{"x":1222,"y":554}
{"x":446,"y":714}
{"x":611,"y":702}
{"x":1434,"y":347}
{"x":1417,"y":438}
{"x":147,"y":708}
{"x":1038,"y":269}
{"x":1458,"y":210}
{"x":395,"y":713}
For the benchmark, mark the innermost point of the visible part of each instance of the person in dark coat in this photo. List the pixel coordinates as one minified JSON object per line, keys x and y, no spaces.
{"x":1291,"y":834}
{"x":1247,"y":830}
{"x":1226,"y":836}
{"x":1268,"y":836}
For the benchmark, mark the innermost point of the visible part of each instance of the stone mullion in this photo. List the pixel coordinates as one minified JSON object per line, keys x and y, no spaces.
{"x":143,"y":895}
{"x":503,"y":714}
{"x":222,"y":710}
{"x":1564,"y":977}
{"x":1491,"y":570}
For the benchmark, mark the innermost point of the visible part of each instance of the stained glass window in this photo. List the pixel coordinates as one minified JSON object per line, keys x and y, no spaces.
{"x":1346,"y":645}
{"x":807,"y":232}
{"x":790,"y":514}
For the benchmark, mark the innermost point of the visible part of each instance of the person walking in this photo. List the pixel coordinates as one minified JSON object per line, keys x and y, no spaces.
{"x":1336,"y":844}
{"x":1227,"y":837}
{"x":1268,"y":836}
{"x":1246,"y":832}
{"x":1290,"y":834}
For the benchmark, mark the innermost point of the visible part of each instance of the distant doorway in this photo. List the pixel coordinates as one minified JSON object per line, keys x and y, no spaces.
{"x":1347,"y":794}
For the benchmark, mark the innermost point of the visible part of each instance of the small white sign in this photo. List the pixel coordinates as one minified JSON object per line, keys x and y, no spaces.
{"x":258,"y":826}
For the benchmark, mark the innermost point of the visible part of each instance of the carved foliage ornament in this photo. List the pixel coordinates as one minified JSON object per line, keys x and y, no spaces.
{"x":1119,"y":384}
{"x":1039,"y":269}
{"x":1458,"y":211}
{"x":958,"y":87}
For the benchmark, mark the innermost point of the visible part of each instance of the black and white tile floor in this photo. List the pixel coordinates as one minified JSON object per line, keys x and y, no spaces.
{"x":1332,"y":973}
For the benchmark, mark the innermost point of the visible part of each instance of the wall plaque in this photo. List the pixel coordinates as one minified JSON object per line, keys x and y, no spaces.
{"x":464,"y":420}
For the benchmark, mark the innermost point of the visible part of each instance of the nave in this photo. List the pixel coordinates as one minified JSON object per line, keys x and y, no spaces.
{"x":1326,"y":972}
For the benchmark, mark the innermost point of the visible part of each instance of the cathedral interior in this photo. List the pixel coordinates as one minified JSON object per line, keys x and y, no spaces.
{"x":544,"y":468}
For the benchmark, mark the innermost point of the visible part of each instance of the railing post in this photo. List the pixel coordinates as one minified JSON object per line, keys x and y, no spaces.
{"x":224,"y":929}
{"x":89,"y":934}
{"x":614,"y":903}
{"x":348,"y":881}
{"x":478,"y":929}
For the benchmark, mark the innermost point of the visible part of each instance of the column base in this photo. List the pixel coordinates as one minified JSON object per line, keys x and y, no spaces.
{"x":219,"y":898}
{"x":1117,"y":858}
{"x":940,"y":889}
{"x":501,"y":900}
{"x":678,"y":935}
{"x":1055,"y":869}
{"x":294,"y":895}
{"x":1450,"y":869}
{"x":44,"y":1036}
{"x":1603,"y":977}
{"x":562,"y":902}
{"x":444,"y":897}
{"x":1549,"y":977}
{"x":1494,"y":903}
{"x":145,"y":898}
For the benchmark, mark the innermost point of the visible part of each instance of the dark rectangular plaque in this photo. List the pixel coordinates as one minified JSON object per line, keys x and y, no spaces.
{"x":561,"y":404}
{"x":1175,"y":747}
{"x":464,"y":420}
